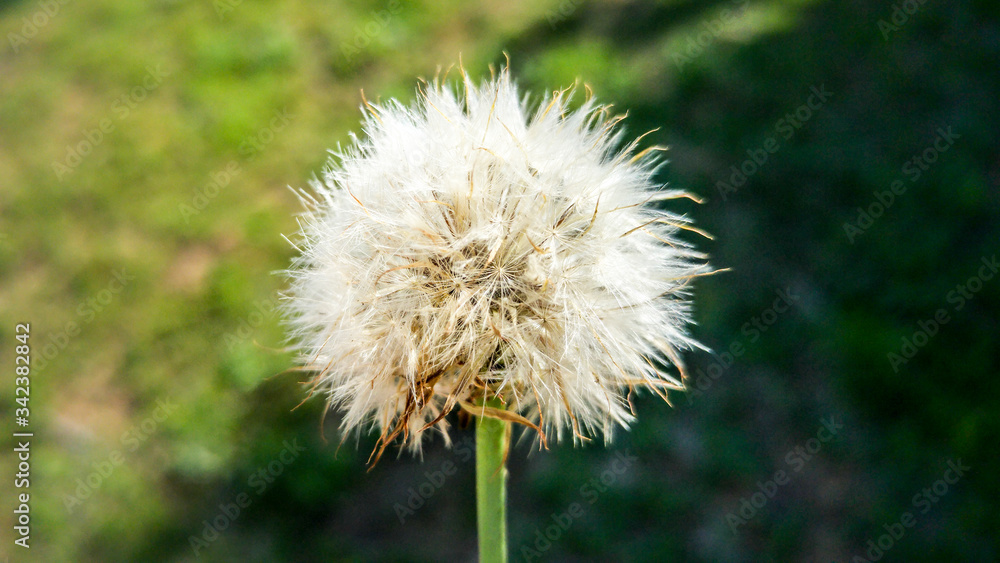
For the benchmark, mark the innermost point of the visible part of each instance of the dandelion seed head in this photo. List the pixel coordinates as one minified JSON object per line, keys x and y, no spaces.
{"x":475,"y":244}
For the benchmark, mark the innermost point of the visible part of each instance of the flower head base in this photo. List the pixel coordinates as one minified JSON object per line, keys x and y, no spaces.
{"x":470,"y":247}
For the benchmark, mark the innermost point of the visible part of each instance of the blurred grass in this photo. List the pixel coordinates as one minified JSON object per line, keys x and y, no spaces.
{"x":193,"y":326}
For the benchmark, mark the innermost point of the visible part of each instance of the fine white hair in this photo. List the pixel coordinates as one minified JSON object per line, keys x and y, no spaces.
{"x":476,"y":245}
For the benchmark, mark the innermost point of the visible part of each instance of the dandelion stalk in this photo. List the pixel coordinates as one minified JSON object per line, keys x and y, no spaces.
{"x":492,"y":441}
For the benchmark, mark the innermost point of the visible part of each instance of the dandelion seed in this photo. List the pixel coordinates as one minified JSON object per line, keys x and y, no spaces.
{"x":475,"y":246}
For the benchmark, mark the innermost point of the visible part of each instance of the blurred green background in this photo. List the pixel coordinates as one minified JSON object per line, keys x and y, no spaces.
{"x":145,"y":150}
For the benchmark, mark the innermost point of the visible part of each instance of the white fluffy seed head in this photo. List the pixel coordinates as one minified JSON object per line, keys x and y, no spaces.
{"x":474,"y":245}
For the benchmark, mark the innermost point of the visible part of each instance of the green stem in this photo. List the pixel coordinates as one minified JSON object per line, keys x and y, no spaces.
{"x":492,"y":440}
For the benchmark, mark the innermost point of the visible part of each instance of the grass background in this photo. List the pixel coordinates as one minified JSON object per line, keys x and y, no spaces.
{"x":194,"y":326}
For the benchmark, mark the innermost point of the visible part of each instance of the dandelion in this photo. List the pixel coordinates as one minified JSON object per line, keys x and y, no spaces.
{"x":482,"y":253}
